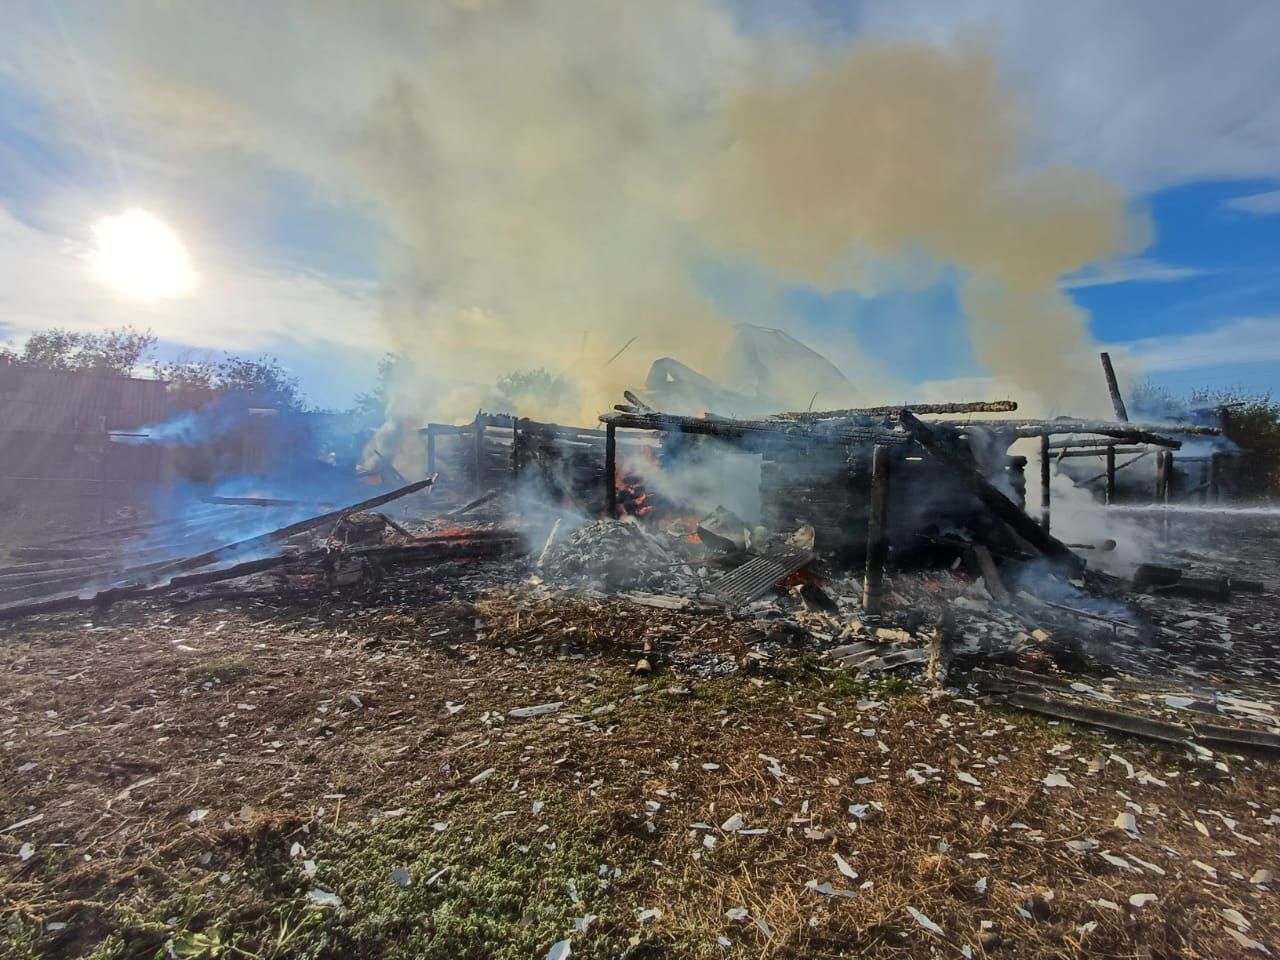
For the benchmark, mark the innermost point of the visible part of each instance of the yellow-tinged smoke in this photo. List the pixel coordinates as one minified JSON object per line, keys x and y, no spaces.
{"x":551,"y":176}
{"x":894,"y":149}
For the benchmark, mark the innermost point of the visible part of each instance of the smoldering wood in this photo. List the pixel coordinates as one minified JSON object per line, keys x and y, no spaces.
{"x":1044,"y":482}
{"x":941,"y":649}
{"x":1004,"y":508}
{"x":611,"y":471}
{"x":1109,"y":476}
{"x":1091,"y":442}
{"x":473,"y":545}
{"x":877,"y":531}
{"x":1158,"y":434}
{"x":1127,"y":463}
{"x":1165,"y":477}
{"x":1092,"y":452}
{"x":477,"y":502}
{"x":986,"y":565}
{"x":265,"y":502}
{"x":1113,"y":387}
{"x":635,"y":401}
{"x":477,"y":439}
{"x":763,"y":431}
{"x":167,"y":568}
{"x":976,"y":406}
{"x":546,"y":547}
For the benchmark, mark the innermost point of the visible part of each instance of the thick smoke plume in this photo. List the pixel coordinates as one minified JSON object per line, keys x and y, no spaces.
{"x":552,"y":178}
{"x":892,"y":149}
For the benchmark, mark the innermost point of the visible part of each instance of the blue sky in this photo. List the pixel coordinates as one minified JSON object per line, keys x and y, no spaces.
{"x":249,"y":131}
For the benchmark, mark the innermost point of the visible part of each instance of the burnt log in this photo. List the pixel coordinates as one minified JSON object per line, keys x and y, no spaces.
{"x":976,"y":406}
{"x":1004,"y":508}
{"x":1113,"y":387}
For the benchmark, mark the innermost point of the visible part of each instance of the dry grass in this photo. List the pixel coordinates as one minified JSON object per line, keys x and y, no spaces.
{"x":224,"y":709}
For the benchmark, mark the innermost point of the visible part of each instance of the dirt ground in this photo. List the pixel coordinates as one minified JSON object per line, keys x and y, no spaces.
{"x":348,"y":777}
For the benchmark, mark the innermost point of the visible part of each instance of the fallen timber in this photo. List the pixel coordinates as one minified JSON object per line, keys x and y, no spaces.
{"x":1060,"y":708}
{"x":477,"y":545}
{"x":146,"y":575}
{"x":975,"y":406}
{"x":1004,"y":508}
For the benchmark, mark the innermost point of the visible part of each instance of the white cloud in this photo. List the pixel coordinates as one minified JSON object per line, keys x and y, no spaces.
{"x":1238,"y":341}
{"x":45,"y":281}
{"x":1262,"y":204}
{"x":1150,"y":92}
{"x":1130,"y":270}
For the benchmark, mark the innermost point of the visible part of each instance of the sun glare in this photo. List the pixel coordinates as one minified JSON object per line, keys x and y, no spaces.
{"x":141,"y":256}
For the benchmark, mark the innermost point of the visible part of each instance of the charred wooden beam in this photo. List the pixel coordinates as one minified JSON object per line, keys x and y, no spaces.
{"x":611,"y":471}
{"x":1044,"y":483}
{"x":473,"y":545}
{"x":1090,"y":452}
{"x":976,"y":406}
{"x":1159,"y":434}
{"x":1113,"y":387}
{"x":877,"y":531}
{"x":990,"y":575}
{"x":635,"y":401}
{"x":262,"y":502}
{"x":1109,"y":476}
{"x":230,"y":550}
{"x":1080,"y":442}
{"x":997,"y":502}
{"x":1162,"y":478}
{"x":1127,"y":463}
{"x":728,"y":429}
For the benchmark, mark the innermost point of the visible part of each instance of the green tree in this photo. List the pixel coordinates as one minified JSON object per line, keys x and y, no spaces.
{"x":538,"y":387}
{"x":1252,"y":422}
{"x":113,"y":351}
{"x":262,"y":381}
{"x":371,"y":407}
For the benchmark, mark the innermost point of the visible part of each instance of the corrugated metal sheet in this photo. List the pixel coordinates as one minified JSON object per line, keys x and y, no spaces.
{"x":58,"y":401}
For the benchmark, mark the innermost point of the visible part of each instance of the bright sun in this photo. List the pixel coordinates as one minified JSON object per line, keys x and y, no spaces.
{"x":141,"y":256}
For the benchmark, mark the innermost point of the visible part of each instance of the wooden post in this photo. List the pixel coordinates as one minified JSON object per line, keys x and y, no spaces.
{"x":1164,"y":494}
{"x":877,"y":531}
{"x":611,"y":471}
{"x":478,"y":427}
{"x":1215,"y":477}
{"x":1110,"y":483}
{"x":1044,"y":483}
{"x":1204,"y":481}
{"x":1161,"y":476}
{"x":515,"y":448}
{"x":431,"y":449}
{"x":1117,"y":402}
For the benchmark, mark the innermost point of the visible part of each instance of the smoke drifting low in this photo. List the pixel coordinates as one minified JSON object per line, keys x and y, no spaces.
{"x":550,"y":177}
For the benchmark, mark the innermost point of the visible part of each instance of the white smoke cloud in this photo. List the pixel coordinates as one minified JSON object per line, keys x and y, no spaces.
{"x":548,"y":175}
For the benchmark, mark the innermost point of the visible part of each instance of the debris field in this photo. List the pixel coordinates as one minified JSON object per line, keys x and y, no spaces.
{"x":493,"y":756}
